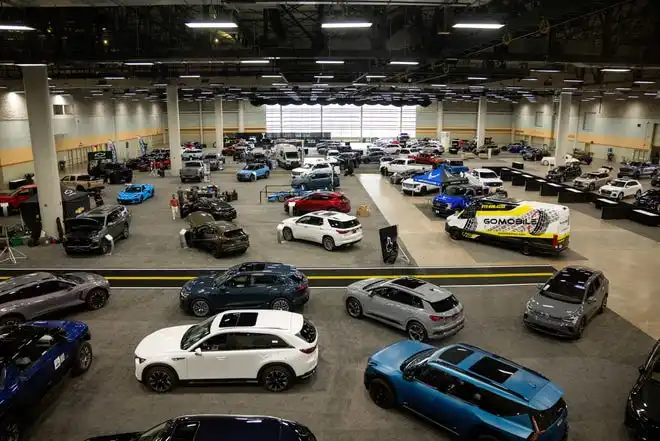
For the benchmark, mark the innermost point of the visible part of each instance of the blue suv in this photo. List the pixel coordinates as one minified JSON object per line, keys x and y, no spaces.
{"x":472,"y":393}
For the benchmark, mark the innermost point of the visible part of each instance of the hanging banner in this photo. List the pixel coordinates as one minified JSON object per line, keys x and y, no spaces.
{"x":142,"y":146}
{"x":113,"y":150}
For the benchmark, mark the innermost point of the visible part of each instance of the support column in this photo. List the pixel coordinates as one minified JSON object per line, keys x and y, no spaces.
{"x":40,"y":120}
{"x":241,"y":117}
{"x":219,"y":125}
{"x":201,"y":124}
{"x":563,"y":119}
{"x":174,"y":128}
{"x":439,"y":118}
{"x":482,"y":111}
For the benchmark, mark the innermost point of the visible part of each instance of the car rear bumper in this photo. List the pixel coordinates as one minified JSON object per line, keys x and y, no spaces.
{"x":449,"y":329}
{"x":348,"y":239}
{"x":302,"y":299}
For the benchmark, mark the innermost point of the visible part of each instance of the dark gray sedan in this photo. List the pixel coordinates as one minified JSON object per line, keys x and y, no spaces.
{"x":29,"y":296}
{"x":566,"y":303}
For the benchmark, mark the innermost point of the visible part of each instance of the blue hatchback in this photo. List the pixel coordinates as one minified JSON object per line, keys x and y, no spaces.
{"x":472,"y":393}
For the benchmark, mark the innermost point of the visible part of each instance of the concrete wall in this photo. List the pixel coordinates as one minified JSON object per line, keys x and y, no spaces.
{"x":460,"y":119}
{"x":628,"y":127}
{"x":93,"y":122}
{"x":193,"y":128}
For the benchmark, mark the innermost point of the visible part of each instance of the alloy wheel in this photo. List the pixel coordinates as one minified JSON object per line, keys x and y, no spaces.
{"x":84,"y":358}
{"x":281,"y":305}
{"x":416,"y":332}
{"x":96,"y":299}
{"x":200,"y":308}
{"x":160,"y":381}
{"x":276,"y":380}
{"x":354,"y":308}
{"x":105,"y":247}
{"x":328,"y":243}
{"x":287,"y":234}
{"x":10,"y":432}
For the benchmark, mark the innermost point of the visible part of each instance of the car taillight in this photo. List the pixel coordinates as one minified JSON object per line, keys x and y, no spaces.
{"x":301,"y":287}
{"x":308,"y":350}
{"x":435,"y":318}
{"x":555,"y":240}
{"x":343,"y":231}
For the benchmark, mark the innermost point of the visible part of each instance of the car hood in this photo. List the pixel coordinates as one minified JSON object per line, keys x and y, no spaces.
{"x":290,"y":220}
{"x":81,"y":222}
{"x":116,"y":437}
{"x":301,"y":170}
{"x":299,"y":180}
{"x":411,"y":181}
{"x":648,"y":398}
{"x":295,"y":199}
{"x":127,"y":194}
{"x":611,"y":188}
{"x":490,"y":180}
{"x":6,"y":196}
{"x":448,"y":199}
{"x":198,"y":218}
{"x":553,"y":307}
{"x":200,"y":285}
{"x":163,"y":341}
{"x":72,"y":328}
{"x":391,"y":357}
{"x":584,"y":179}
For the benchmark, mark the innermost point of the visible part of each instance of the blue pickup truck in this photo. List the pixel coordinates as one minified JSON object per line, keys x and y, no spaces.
{"x":455,"y":198}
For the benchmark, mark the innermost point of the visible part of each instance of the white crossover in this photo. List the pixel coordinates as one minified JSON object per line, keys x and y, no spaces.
{"x":311,"y":164}
{"x":485,"y":178}
{"x":328,"y":228}
{"x":550,"y":160}
{"x":621,"y":188}
{"x":273,"y":348}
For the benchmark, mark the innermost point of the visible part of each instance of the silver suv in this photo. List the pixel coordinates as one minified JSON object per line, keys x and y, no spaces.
{"x":32,"y":295}
{"x":422,"y":309}
{"x":567,"y":302}
{"x":192,"y":171}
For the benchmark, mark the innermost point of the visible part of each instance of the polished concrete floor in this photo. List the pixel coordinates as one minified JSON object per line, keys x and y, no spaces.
{"x":595,"y":372}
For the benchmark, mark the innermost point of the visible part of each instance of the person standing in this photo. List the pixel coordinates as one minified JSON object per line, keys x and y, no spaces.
{"x":174,"y":206}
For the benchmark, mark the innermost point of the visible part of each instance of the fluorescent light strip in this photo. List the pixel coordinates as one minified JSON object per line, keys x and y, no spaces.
{"x":254,"y":61}
{"x":529,"y":79}
{"x":438,"y":85}
{"x":280,"y":84}
{"x":404,"y":63}
{"x":324,"y":77}
{"x":346,"y":25}
{"x":546,"y":70}
{"x":478,"y":26}
{"x":650,"y":94}
{"x":138,"y":63}
{"x":477,"y":78}
{"x":114,"y":78}
{"x":615,"y":69}
{"x":372,"y":77}
{"x":329,"y":61}
{"x":6,"y":27}
{"x":31,"y":65}
{"x":644,"y":82}
{"x":212,"y":25}
{"x":573,"y":81}
{"x":188,"y":76}
{"x":272,"y":76}
{"x":622,"y":89}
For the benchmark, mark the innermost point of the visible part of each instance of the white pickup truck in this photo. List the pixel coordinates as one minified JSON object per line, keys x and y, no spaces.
{"x":401,"y":165}
{"x":484,"y":178}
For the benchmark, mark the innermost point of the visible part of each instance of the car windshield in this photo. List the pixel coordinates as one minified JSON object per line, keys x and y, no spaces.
{"x":453,"y":190}
{"x":488,"y":175}
{"x":193,"y":164}
{"x":564,"y":287}
{"x":589,"y":175}
{"x":253,"y":167}
{"x":196,"y":332}
{"x":157,"y":433}
{"x":72,"y":278}
{"x":133,"y":189}
{"x":617,"y":183}
{"x":291,"y":155}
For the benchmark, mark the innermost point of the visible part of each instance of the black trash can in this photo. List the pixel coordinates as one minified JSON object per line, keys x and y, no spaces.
{"x":61,"y":165}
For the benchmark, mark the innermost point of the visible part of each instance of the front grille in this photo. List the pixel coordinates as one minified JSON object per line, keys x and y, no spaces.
{"x":308,"y":332}
{"x":493,"y":184}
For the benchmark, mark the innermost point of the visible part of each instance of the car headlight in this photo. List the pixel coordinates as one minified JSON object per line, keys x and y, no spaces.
{"x":184,"y":294}
{"x":528,"y":308}
{"x":140,"y":360}
{"x":573,"y":319}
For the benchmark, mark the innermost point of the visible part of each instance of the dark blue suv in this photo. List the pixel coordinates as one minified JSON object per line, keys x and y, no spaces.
{"x":34,"y":357}
{"x":472,"y":393}
{"x":248,"y":285}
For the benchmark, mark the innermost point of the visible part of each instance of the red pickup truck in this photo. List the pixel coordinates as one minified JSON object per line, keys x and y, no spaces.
{"x":15,"y":197}
{"x":428,"y":158}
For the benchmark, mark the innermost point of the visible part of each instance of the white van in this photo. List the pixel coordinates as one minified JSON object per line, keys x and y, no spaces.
{"x":528,"y":225}
{"x":287,"y":156}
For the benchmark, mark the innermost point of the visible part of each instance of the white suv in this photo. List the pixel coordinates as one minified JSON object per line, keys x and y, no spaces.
{"x":485,"y":178}
{"x":329,"y":228}
{"x":273,"y":348}
{"x":312,"y":164}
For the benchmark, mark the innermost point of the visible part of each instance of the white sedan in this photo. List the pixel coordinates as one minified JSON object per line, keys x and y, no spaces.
{"x":550,"y":160}
{"x":273,"y":348}
{"x":621,"y":188}
{"x":328,"y":228}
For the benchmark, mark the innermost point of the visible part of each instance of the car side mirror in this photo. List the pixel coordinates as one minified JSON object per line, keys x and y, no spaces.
{"x":198,"y":352}
{"x":591,"y":299}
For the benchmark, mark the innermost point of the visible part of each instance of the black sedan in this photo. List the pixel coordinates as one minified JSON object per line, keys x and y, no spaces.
{"x":533,"y":154}
{"x":564,"y":173}
{"x":219,"y":209}
{"x":649,"y":201}
{"x":642,"y":415}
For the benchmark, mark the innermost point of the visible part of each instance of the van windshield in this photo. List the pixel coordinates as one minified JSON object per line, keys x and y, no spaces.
{"x":291,"y":155}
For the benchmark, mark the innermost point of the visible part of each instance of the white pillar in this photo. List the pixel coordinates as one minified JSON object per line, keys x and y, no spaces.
{"x":439,"y":118}
{"x":563,"y":119}
{"x":40,"y":119}
{"x":174,"y":128}
{"x":219,"y":125}
{"x":241,"y":117}
{"x":482,"y":111}
{"x":201,"y":124}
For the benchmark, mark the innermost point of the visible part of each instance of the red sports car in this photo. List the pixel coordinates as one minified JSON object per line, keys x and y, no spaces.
{"x":318,"y":201}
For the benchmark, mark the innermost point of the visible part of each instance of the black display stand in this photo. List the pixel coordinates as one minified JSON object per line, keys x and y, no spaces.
{"x":518,"y":180}
{"x":506,"y":174}
{"x":17,"y":183}
{"x":644,"y":217}
{"x":533,"y":184}
{"x":611,"y":209}
{"x":518,"y":165}
{"x":572,"y":196}
{"x":550,"y":189}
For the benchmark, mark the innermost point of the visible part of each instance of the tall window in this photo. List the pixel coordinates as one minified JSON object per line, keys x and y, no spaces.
{"x":347,"y":121}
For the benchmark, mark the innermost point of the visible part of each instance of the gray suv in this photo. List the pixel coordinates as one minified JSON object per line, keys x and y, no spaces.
{"x":422,"y":309}
{"x":87,"y":232}
{"x":192,"y":171}
{"x":566,"y":303}
{"x":32,"y":295}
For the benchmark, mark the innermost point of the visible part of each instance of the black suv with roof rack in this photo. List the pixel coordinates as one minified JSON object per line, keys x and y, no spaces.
{"x":248,"y":285}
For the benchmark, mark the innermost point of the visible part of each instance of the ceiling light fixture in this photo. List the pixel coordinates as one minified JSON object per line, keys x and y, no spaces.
{"x":404,"y":63}
{"x":31,"y":65}
{"x":329,"y":61}
{"x":569,"y":88}
{"x":622,"y":89}
{"x":650,"y":94}
{"x":212,"y":25}
{"x":644,"y":82}
{"x":573,"y":81}
{"x":159,"y":84}
{"x":21,"y":28}
{"x":272,"y":76}
{"x":188,"y":76}
{"x":114,"y":78}
{"x":346,"y":25}
{"x":478,"y":26}
{"x":375,"y":77}
{"x":138,"y":63}
{"x":254,"y":61}
{"x":324,"y":77}
{"x":529,"y":79}
{"x":477,"y":78}
{"x":615,"y":69}
{"x":438,"y":85}
{"x":547,"y":70}
{"x":359,"y":84}
{"x":280,"y":84}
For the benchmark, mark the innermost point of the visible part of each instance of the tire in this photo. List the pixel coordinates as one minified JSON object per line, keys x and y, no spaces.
{"x":592,"y":187}
{"x":281,"y":198}
{"x":200,"y":308}
{"x":638,"y":194}
{"x":423,"y":191}
{"x":281,"y":304}
{"x":105,"y":247}
{"x":544,"y":162}
{"x":126,"y":231}
{"x":217,"y":252}
{"x":287,"y":234}
{"x":11,"y":320}
{"x":82,"y":359}
{"x":80,"y":188}
{"x":267,"y":175}
{"x":456,"y":235}
{"x":68,"y":251}
{"x":603,"y":304}
{"x":619,"y":197}
{"x":10,"y":429}
{"x":141,"y":199}
{"x":160,"y":379}
{"x":276,"y":378}
{"x":96,"y":299}
{"x":416,"y":331}
{"x":354,"y":308}
{"x":253,"y":178}
{"x":580,"y":330}
{"x":183,"y":181}
{"x":382,"y":394}
{"x":526,"y":250}
{"x":328,"y":243}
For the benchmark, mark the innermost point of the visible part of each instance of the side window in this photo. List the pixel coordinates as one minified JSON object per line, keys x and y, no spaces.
{"x":305,"y":220}
{"x":48,"y":287}
{"x":65,"y":179}
{"x":591,"y":291}
{"x":401,"y":297}
{"x":467,"y":392}
{"x":113,"y":217}
{"x":27,"y":292}
{"x":417,"y":302}
{"x":264,"y":279}
{"x":215,"y":343}
{"x":238,"y":281}
{"x":83,"y":178}
{"x":251,"y":341}
{"x":316,"y":221}
{"x":185,"y":431}
{"x":470,"y":212}
{"x":32,"y":352}
{"x":382,"y":292}
{"x":434,"y":378}
{"x":595,"y":285}
{"x":497,"y":405}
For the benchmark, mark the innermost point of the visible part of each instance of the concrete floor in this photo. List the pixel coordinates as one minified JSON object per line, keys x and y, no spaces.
{"x":596,"y":372}
{"x":154,"y":241}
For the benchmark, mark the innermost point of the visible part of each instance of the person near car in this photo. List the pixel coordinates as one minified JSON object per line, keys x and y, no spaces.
{"x":174,"y":206}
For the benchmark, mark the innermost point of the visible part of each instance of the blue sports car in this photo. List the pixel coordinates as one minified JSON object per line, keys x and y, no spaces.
{"x":135,"y":193}
{"x":281,"y":196}
{"x":34,"y":357}
{"x":252,"y":172}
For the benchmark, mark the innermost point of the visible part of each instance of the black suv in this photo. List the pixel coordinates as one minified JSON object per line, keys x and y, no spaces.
{"x":219,"y":209}
{"x":564,"y":173}
{"x":112,"y":172}
{"x":87,"y":232}
{"x":207,"y":428}
{"x":649,"y":201}
{"x":642,"y":415}
{"x":218,"y":237}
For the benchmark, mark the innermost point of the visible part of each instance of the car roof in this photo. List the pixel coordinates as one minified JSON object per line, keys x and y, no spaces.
{"x":242,"y":427}
{"x":12,"y":338}
{"x":483,"y":170}
{"x":267,"y":319}
{"x":576,"y":274}
{"x":427,"y":291}
{"x":102,"y":210}
{"x":334,"y":194}
{"x":333,"y":215}
{"x":24,"y":279}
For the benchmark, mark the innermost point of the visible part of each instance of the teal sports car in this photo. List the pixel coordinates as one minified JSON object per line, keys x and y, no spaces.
{"x":135,"y":193}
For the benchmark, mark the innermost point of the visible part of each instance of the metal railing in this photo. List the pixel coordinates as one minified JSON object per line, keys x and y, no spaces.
{"x":269,"y":189}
